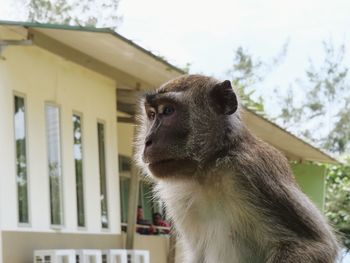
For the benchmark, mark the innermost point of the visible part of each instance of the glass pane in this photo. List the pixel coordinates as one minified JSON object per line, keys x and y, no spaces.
{"x":146,"y":200}
{"x":124,"y":197}
{"x":54,"y":162}
{"x":21,"y":160}
{"x":103,"y":186}
{"x":78,"y":160}
{"x":124,"y":163}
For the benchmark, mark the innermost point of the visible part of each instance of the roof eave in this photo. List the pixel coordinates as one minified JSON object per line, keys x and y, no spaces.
{"x":91,"y":29}
{"x":326,"y":156}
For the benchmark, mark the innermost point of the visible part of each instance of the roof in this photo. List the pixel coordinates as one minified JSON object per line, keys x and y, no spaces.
{"x":107,"y":52}
{"x":292,"y":146}
{"x":104,"y":44}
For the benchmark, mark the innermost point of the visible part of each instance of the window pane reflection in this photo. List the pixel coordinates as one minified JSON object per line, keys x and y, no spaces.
{"x":54,"y":162}
{"x":21,"y":160}
{"x":102,"y":163}
{"x":78,"y":160}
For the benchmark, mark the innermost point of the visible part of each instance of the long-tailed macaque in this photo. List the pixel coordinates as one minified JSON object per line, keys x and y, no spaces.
{"x":231,"y":196}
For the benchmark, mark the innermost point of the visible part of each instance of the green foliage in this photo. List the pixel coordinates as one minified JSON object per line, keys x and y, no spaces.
{"x":337,"y":207}
{"x":82,"y":13}
{"x":247,"y":72}
{"x":339,"y":137}
{"x":244,"y":75}
{"x":256,"y":105}
{"x":325,"y":104}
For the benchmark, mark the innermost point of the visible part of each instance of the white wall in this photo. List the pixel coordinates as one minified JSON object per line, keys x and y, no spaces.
{"x":126,"y":140}
{"x":44,"y":77}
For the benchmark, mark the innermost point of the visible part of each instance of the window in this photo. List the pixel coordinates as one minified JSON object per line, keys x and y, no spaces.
{"x":149,"y":204}
{"x":145,"y":199}
{"x":78,"y":161}
{"x":103,"y":183}
{"x":124,"y":172}
{"x":54,"y":162}
{"x":124,"y":197}
{"x":21,"y":159}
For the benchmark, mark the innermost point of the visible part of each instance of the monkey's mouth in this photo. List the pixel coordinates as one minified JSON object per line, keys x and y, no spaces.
{"x":162,"y":162}
{"x":164,"y":166}
{"x":169,"y":167}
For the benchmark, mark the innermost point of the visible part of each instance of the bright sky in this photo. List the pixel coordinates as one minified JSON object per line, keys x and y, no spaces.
{"x":206,"y":33}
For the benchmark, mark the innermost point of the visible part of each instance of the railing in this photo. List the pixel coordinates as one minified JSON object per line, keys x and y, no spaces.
{"x":163,"y":228}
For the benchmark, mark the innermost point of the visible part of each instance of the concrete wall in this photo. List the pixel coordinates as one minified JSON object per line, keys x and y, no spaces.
{"x":158,"y":247}
{"x":18,"y":246}
{"x":43,"y":77}
{"x":125,"y":139}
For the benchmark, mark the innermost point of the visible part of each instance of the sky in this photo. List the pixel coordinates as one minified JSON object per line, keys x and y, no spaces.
{"x":207,"y":33}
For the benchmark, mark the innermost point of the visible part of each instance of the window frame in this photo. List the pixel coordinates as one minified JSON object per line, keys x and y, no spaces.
{"x":121,"y":199}
{"x":58,"y":106}
{"x":103,"y":122}
{"x":81,"y":115}
{"x":24,"y":97}
{"x":126,"y":174}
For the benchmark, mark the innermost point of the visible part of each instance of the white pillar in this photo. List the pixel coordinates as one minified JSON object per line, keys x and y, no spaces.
{"x":132,"y":206}
{"x":3,"y":128}
{"x":172,"y":247}
{"x":129,"y":98}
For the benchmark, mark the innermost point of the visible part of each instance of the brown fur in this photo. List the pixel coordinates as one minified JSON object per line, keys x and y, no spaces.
{"x":232,"y":197}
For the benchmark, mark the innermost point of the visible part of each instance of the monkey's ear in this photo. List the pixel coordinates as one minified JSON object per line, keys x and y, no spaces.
{"x":223,"y":98}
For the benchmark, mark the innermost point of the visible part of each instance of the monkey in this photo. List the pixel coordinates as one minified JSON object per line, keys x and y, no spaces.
{"x":231,"y":196}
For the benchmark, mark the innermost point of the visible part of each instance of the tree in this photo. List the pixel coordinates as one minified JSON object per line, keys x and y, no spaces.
{"x":248,"y":71}
{"x":323,"y":116}
{"x":245,"y":73}
{"x":338,"y":199}
{"x":81,"y":13}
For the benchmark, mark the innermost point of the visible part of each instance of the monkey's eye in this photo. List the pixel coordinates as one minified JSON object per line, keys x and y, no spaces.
{"x":168,"y":110}
{"x":151,"y":115}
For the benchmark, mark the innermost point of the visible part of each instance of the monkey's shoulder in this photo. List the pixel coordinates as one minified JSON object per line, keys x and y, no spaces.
{"x":256,"y":157}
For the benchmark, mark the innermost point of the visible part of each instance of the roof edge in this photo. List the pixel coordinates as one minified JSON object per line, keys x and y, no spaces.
{"x":291,"y":134}
{"x":94,"y":30}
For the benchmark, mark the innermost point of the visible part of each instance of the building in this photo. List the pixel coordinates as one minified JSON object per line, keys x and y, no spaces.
{"x":66,"y":106}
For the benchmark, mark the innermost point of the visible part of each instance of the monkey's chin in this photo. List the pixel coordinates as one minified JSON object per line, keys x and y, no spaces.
{"x":173,"y":168}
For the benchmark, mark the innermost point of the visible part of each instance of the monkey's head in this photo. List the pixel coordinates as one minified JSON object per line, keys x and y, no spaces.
{"x":185,"y":125}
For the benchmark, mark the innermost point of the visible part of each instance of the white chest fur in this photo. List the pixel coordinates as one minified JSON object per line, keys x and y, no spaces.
{"x":205,"y":217}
